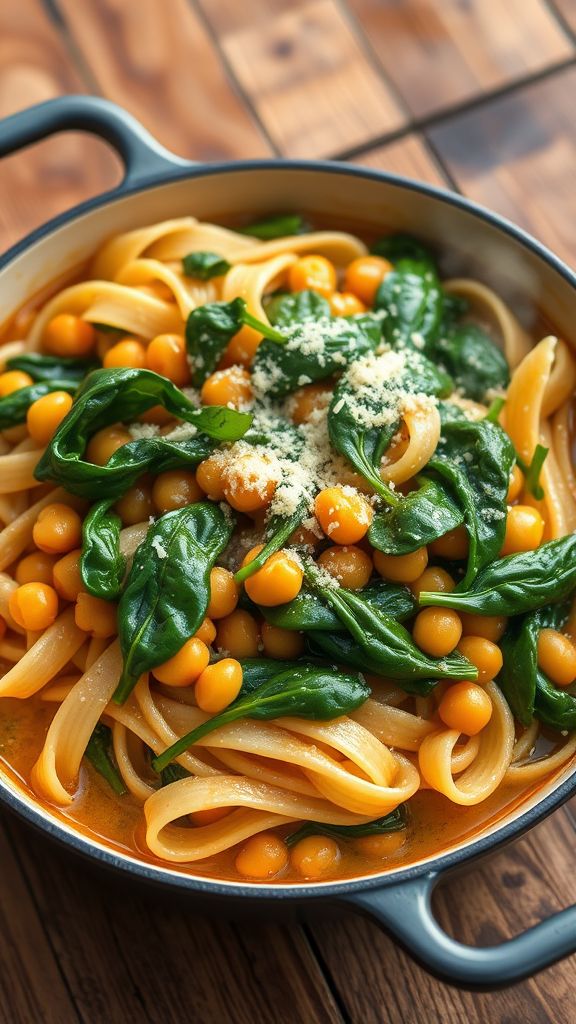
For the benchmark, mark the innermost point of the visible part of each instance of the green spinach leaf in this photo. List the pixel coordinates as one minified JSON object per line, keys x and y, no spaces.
{"x":109,"y":396}
{"x":168,"y":588}
{"x":306,"y":692}
{"x":393,"y":822}
{"x":296,"y":308}
{"x":309,"y":612}
{"x":52,"y":368}
{"x":204,"y":265}
{"x":403,"y":247}
{"x":413,"y":301}
{"x":100,"y":754}
{"x":102,"y":566}
{"x":342,"y":649}
{"x":211,"y":327}
{"x":473,"y":360}
{"x":14,"y":407}
{"x":518,"y":677}
{"x":517,"y":583}
{"x":421,"y":517}
{"x":276,"y":227}
{"x":553,"y":706}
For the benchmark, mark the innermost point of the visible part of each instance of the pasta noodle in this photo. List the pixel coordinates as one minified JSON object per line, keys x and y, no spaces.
{"x":365,"y":675}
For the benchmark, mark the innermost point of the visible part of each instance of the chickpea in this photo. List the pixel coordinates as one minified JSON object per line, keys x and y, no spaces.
{"x":278,"y":581}
{"x":314,"y":273}
{"x":344,"y":515}
{"x":104,"y":443}
{"x":136,"y":505}
{"x":238,"y":635}
{"x":346,"y":304}
{"x":351,"y":566}
{"x":437,"y":631}
{"x":166,"y":355}
{"x":401,"y":568}
{"x":304,"y":402}
{"x":465,"y":707}
{"x":218,"y":685}
{"x":13,"y":380}
{"x":262,"y":856}
{"x":186,"y":666}
{"x":516,"y":484}
{"x":35,"y":568}
{"x":524,"y":530}
{"x":248,"y":485}
{"x":66,"y":576}
{"x":206,"y":632}
{"x":57,"y":529}
{"x":486,"y":656}
{"x":557,"y":657}
{"x":33,"y":606}
{"x":126,"y":352}
{"x":209,"y":476}
{"x":175,"y":488}
{"x":315,"y":856}
{"x":433,"y":580}
{"x":95,"y":616}
{"x":228,"y":387}
{"x":46,"y":414}
{"x":452,"y":545}
{"x":224,"y":593}
{"x":380,"y":847}
{"x":69,"y":335}
{"x":491,"y":627}
{"x":364,"y":276}
{"x":283,"y":644}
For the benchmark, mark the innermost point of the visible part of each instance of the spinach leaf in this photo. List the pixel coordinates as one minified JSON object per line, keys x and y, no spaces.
{"x":354,"y":408}
{"x":13,"y":407}
{"x":342,"y":649}
{"x":393,"y":822}
{"x":421,"y":517}
{"x":297,"y":307}
{"x":517,"y":583}
{"x":174,"y":773}
{"x":256,"y":671}
{"x":532,"y":471}
{"x":204,"y":265}
{"x":474,"y":361}
{"x":276,"y":226}
{"x":403,"y":247}
{"x":100,"y":754}
{"x":312,"y":351}
{"x":306,"y":692}
{"x":382,"y":639}
{"x":211,"y":327}
{"x":109,"y":396}
{"x":476,"y":459}
{"x":554,"y":707}
{"x":518,"y":676}
{"x":168,"y":588}
{"x":413,"y":301}
{"x":52,"y":368}
{"x":309,"y":612}
{"x":278,"y":530}
{"x":102,"y":566}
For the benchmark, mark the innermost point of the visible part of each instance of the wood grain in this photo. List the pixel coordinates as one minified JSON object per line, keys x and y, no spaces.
{"x":409,"y":156}
{"x":129,"y":954}
{"x":517,"y":155}
{"x":164,"y":71}
{"x":441,"y":54}
{"x":311,"y":83}
{"x":377,"y":983}
{"x":35,"y":65}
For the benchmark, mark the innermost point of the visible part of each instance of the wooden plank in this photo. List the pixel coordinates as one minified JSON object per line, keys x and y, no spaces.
{"x":131,"y":954}
{"x":409,"y":156}
{"x":310,"y":81}
{"x":441,"y":54}
{"x":31,"y":986}
{"x":41,"y":182}
{"x":165,"y":71}
{"x":517,"y":155}
{"x":378,"y":984}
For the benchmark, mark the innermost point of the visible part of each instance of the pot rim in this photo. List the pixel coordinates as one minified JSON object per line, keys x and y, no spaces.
{"x":74,"y":839}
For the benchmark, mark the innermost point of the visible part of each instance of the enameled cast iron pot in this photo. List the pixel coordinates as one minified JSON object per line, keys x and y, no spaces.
{"x":158,"y":185}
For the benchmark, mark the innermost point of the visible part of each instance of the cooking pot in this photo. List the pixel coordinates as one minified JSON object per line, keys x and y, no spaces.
{"x":158,"y":185}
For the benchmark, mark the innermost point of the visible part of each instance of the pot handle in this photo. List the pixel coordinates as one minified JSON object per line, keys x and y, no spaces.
{"x":142,"y":156}
{"x":405,"y":911}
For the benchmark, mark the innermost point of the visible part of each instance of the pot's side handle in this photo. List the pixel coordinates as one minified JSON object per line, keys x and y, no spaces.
{"x":405,"y":911}
{"x":143,"y":157}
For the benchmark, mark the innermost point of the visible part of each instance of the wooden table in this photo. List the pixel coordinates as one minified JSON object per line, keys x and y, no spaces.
{"x":479,"y":96}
